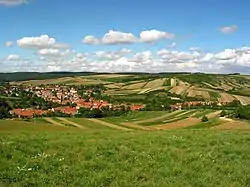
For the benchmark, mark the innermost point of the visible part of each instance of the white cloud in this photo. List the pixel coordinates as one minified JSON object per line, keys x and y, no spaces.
{"x":91,"y":40}
{"x":150,"y":36}
{"x":226,"y":54}
{"x":12,"y":2}
{"x":117,"y":37}
{"x":111,"y":55}
{"x":194,"y":49}
{"x":8,"y":43}
{"x":173,"y":45}
{"x":41,"y":42}
{"x":228,"y":29}
{"x":12,"y":57}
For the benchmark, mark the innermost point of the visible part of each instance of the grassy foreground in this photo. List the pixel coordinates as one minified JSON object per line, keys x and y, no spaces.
{"x":116,"y":158}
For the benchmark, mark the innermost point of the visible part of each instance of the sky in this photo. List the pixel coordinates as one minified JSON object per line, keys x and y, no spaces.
{"x":125,"y":36}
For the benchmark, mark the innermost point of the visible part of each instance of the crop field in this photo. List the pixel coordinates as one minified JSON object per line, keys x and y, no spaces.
{"x":125,"y":158}
{"x":155,"y":83}
{"x":64,"y":80}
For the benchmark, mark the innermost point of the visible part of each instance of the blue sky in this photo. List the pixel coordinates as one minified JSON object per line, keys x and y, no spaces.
{"x":194,"y":23}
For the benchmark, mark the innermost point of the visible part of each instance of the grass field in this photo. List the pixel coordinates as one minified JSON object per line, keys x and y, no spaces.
{"x":120,"y":158}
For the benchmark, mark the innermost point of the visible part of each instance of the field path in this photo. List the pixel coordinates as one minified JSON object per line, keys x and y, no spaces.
{"x":107,"y":124}
{"x":54,"y":122}
{"x":176,"y":125}
{"x":135,"y":126}
{"x":72,"y":123}
{"x":159,"y":117}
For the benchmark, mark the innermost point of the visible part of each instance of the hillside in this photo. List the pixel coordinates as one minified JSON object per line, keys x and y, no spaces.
{"x":113,"y":158}
{"x":208,"y":87}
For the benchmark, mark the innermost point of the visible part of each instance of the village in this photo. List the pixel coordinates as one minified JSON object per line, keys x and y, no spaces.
{"x":66,"y":98}
{"x":69,"y":100}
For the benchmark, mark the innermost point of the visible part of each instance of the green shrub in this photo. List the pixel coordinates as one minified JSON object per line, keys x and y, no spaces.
{"x":204,"y":119}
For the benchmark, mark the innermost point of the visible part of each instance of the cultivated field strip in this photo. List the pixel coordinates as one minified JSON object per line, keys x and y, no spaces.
{"x":179,"y":90}
{"x":72,"y":123}
{"x":237,"y":125}
{"x":108,"y":124}
{"x":50,"y":120}
{"x":177,"y":125}
{"x":243,"y":99}
{"x":225,"y":97}
{"x":136,"y":126}
{"x":155,"y":83}
{"x":159,"y":117}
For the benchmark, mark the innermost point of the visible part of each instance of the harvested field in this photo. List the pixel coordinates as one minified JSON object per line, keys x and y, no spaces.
{"x":134,"y":86}
{"x":226,"y":87}
{"x":179,"y":90}
{"x":238,"y":125}
{"x":177,"y":125}
{"x":211,"y":86}
{"x":155,"y":83}
{"x":243,"y":99}
{"x":225,"y":97}
{"x":192,"y":92}
{"x":105,"y":76}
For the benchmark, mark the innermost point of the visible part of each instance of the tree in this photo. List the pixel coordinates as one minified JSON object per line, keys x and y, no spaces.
{"x":223,"y":113}
{"x":204,"y":119}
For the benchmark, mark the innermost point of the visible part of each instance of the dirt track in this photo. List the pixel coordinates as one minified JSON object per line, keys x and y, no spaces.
{"x":108,"y":124}
{"x":177,"y":125}
{"x":72,"y":123}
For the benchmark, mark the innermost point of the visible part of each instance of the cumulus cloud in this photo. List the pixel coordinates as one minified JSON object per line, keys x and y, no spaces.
{"x":40,"y":42}
{"x":111,"y":55}
{"x":8,"y":43}
{"x":172,"y":45}
{"x":226,"y":54}
{"x":118,"y":37}
{"x":12,"y":57}
{"x":92,"y":40}
{"x":150,"y":36}
{"x":164,"y":60}
{"x":12,"y":2}
{"x":228,"y":29}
